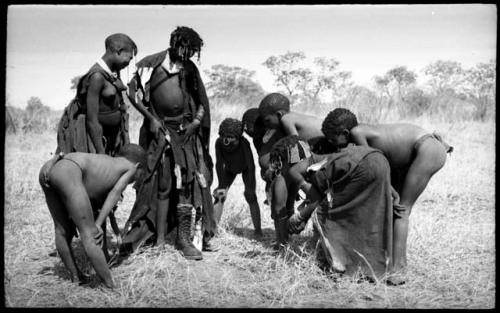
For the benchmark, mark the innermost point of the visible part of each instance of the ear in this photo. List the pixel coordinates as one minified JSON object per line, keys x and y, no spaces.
{"x":346,"y":132}
{"x":279,"y":114}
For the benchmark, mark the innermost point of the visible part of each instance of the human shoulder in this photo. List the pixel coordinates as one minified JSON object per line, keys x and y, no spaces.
{"x":152,"y":60}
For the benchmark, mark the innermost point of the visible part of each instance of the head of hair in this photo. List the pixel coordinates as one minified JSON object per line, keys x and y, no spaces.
{"x":250,"y":116}
{"x":280,"y":149}
{"x":320,"y":145}
{"x":273,"y":103}
{"x":188,"y":38}
{"x":134,"y":153}
{"x":338,"y":120}
{"x":119,"y":41}
{"x":231,"y":127}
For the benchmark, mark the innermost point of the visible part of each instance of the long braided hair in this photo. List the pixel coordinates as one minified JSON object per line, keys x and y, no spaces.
{"x":187,"y":38}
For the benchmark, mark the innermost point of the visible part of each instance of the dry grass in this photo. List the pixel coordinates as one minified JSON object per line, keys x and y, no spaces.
{"x":451,"y":246}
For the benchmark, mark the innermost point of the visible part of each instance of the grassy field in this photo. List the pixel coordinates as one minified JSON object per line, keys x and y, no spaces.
{"x":451,"y":251}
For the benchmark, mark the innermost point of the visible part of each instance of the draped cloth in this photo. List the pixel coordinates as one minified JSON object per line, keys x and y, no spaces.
{"x":354,"y":220}
{"x":72,"y":132}
{"x":174,"y":166}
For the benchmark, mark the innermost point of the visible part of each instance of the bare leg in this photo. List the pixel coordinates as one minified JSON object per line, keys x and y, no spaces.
{"x":430,"y":158}
{"x":161,"y":221}
{"x":68,"y":183}
{"x":279,"y":193}
{"x":250,"y":196}
{"x":63,"y":232}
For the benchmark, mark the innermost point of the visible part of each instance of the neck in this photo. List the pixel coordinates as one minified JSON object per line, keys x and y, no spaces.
{"x":107,"y":59}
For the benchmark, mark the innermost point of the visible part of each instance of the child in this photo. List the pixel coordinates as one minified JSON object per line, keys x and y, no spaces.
{"x":275,"y":112}
{"x":413,"y":154}
{"x":233,"y":157}
{"x":263,"y":138}
{"x":286,"y":152}
{"x":350,"y":194}
{"x":96,"y":121}
{"x":76,"y":185}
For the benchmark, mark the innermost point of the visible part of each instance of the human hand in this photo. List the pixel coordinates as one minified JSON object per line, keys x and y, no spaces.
{"x":191,"y":128}
{"x":220,"y":194}
{"x":395,"y":196}
{"x":99,"y":236}
{"x":296,"y":223}
{"x":155,"y":126}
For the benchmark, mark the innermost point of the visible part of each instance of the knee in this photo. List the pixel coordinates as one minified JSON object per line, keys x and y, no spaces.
{"x":89,"y":236}
{"x":250,"y":196}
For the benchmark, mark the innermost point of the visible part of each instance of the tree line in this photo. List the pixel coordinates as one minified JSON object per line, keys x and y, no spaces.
{"x":317,"y":84}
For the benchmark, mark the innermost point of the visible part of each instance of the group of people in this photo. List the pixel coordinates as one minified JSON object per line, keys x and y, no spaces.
{"x":359,"y":181}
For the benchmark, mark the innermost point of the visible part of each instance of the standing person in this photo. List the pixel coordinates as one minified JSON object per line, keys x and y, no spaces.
{"x":96,"y":120}
{"x":169,"y":86}
{"x":233,"y":157}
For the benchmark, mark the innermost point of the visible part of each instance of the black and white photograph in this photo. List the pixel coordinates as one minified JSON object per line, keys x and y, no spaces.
{"x":250,"y":156}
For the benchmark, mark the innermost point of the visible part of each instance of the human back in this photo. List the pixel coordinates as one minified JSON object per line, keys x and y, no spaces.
{"x":303,"y":125}
{"x":396,"y":140}
{"x":100,"y":172}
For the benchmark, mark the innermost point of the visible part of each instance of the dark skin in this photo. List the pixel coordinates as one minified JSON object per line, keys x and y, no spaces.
{"x":396,"y":141}
{"x":167,"y":101}
{"x":231,"y":150}
{"x":101,"y":96}
{"x":293,"y":123}
{"x":73,"y":196}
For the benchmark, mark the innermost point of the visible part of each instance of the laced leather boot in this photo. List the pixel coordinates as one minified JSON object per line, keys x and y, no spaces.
{"x":183,"y":241}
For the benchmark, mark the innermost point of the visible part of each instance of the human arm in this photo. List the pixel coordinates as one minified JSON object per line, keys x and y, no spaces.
{"x":114,"y":226}
{"x":115,"y":194}
{"x":135,"y":97}
{"x":219,"y":161}
{"x":94,"y":128}
{"x":297,"y":174}
{"x":297,"y":222}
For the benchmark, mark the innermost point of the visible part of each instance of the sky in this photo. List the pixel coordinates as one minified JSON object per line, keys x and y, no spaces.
{"x":48,"y":45}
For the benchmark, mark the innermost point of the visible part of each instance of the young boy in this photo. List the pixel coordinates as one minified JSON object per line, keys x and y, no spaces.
{"x":233,"y":157}
{"x":286,"y":153}
{"x":263,"y":138}
{"x":413,"y":154}
{"x":275,"y":112}
{"x":76,"y":186}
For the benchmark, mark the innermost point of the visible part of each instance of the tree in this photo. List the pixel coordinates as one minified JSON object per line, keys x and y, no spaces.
{"x":444,"y":75}
{"x":396,"y":80}
{"x":325,"y":77}
{"x":287,"y":72}
{"x":37,"y":116}
{"x":231,"y":82}
{"x":480,"y":87}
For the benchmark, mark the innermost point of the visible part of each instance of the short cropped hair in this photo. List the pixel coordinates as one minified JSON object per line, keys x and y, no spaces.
{"x":273,"y":103}
{"x":187,"y":37}
{"x":338,"y":120}
{"x":134,"y":153}
{"x":231,"y":127}
{"x":119,"y":41}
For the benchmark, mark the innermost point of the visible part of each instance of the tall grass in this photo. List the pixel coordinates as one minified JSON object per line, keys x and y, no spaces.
{"x":451,"y":250}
